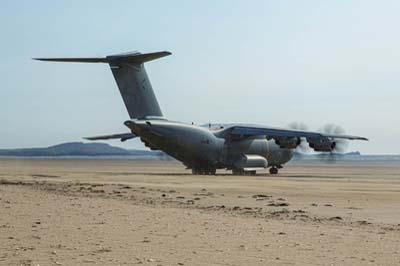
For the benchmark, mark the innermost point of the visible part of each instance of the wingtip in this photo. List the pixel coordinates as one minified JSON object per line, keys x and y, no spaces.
{"x":48,"y":58}
{"x":44,"y":59}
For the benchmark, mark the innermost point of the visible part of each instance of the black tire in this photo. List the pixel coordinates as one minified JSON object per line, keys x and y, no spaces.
{"x":237,"y":171}
{"x":198,"y":171}
{"x":212,"y":171}
{"x":243,"y":172}
{"x":273,"y":170}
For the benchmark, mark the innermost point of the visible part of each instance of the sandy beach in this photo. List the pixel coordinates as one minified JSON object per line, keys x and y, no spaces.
{"x":123,"y":212}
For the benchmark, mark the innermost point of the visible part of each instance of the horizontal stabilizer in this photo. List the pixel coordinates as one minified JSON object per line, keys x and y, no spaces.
{"x":122,"y":137}
{"x":133,"y":57}
{"x":76,"y":59}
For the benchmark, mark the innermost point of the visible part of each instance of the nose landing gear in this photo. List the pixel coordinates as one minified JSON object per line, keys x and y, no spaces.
{"x":273,"y":170}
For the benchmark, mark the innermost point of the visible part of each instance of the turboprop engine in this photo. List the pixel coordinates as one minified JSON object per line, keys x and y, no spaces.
{"x":322,"y":144}
{"x":288,"y":143}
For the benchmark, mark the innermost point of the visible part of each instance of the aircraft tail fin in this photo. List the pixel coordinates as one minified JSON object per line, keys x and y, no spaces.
{"x":131,"y":78}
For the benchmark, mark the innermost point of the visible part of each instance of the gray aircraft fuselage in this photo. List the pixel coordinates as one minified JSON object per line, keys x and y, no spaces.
{"x":200,"y":148}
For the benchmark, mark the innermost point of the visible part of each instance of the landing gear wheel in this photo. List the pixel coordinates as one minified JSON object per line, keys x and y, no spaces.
{"x":237,"y":171}
{"x":251,"y":172}
{"x":273,"y":170}
{"x":203,"y":171}
{"x":243,"y":172}
{"x":198,"y":171}
{"x":212,"y":171}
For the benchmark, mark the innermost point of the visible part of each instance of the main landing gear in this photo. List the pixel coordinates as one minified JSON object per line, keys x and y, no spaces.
{"x":204,"y":171}
{"x":243,"y":172}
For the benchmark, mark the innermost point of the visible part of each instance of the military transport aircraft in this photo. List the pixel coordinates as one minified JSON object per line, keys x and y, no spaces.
{"x":242,"y":148}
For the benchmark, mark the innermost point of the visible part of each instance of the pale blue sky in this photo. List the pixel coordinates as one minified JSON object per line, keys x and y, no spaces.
{"x":265,"y":62}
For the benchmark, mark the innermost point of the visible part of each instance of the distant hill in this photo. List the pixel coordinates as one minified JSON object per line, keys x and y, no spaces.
{"x":318,"y":154}
{"x":78,"y":149}
{"x":322,"y":155}
{"x":350,"y":156}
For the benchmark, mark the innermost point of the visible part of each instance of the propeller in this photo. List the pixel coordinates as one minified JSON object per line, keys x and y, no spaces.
{"x":303,"y":146}
{"x":340,"y":144}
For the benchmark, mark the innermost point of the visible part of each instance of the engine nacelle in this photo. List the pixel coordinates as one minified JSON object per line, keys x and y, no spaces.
{"x":288,"y":143}
{"x":322,"y":144}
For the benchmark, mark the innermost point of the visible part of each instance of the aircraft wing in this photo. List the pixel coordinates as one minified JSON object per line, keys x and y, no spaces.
{"x":273,"y":132}
{"x":122,"y":137}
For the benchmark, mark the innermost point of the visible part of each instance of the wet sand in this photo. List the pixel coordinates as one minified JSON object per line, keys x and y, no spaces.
{"x":116,"y":212}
